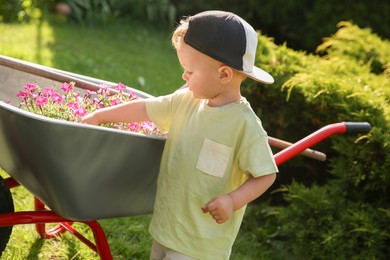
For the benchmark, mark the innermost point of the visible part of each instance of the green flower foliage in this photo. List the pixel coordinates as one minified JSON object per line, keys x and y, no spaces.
{"x":338,"y":209}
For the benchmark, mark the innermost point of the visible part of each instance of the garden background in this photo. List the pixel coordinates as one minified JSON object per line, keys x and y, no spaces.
{"x":331,"y":63}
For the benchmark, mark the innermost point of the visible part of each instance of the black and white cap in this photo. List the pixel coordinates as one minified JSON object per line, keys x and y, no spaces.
{"x":228,"y":38}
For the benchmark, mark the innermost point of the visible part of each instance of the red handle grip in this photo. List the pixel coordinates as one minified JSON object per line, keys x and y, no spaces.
{"x":318,"y":136}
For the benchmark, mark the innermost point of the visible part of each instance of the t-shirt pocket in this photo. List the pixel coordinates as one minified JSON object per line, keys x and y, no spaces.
{"x":213,"y":158}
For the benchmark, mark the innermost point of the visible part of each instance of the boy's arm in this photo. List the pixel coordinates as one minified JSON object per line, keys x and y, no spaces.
{"x":222,"y":207}
{"x":132,"y":111}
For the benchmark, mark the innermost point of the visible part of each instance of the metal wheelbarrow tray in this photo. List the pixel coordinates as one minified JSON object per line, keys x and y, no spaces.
{"x":81,"y":172}
{"x":85,"y":173}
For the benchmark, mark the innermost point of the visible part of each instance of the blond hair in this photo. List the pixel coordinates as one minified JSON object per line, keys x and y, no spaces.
{"x":180,"y":32}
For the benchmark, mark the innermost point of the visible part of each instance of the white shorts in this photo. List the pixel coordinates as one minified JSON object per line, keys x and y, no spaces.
{"x":160,"y":252}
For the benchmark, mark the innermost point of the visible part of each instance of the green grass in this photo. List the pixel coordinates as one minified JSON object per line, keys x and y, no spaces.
{"x":135,"y":55}
{"x":138,"y":56}
{"x":125,"y":53}
{"x":128,"y":237}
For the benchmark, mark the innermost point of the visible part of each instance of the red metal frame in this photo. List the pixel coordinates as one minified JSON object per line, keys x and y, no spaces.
{"x":42,"y":215}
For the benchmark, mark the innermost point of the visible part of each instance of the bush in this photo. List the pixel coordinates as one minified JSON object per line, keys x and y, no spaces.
{"x":156,"y":12}
{"x":322,"y":223}
{"x":300,"y":23}
{"x":19,"y":11}
{"x":338,"y":209}
{"x":90,"y":11}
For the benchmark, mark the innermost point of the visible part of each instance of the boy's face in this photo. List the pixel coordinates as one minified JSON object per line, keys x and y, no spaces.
{"x":200,"y":72}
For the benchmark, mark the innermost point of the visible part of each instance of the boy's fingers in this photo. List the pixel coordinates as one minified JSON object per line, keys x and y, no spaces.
{"x":208,"y":207}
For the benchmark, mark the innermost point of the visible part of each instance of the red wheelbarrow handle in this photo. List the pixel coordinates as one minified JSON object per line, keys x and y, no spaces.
{"x":320,"y":135}
{"x":313,"y":154}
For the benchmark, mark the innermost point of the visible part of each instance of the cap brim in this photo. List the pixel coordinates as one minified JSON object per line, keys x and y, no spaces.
{"x":260,"y":75}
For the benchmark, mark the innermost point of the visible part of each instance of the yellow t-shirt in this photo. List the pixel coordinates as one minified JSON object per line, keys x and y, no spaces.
{"x":209,"y":151}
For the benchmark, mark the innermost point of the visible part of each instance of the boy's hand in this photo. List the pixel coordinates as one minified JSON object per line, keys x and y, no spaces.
{"x":220,"y":208}
{"x":90,"y":119}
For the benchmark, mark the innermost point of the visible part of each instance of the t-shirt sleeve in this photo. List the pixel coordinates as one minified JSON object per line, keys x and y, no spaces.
{"x":159,"y":112}
{"x":161,"y":109}
{"x":257,"y":158}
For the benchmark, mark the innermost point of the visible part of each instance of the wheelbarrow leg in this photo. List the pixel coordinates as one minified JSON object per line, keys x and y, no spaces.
{"x":35,"y":217}
{"x":102,"y":247}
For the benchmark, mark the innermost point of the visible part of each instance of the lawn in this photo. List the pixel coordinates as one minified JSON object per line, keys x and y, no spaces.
{"x":137,"y":55}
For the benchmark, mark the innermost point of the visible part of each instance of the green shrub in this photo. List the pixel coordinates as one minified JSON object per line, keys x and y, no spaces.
{"x":157,"y":12}
{"x":361,"y":45}
{"x":300,"y":23}
{"x":19,"y":11}
{"x":321,"y":223}
{"x":339,"y":208}
{"x":90,"y":11}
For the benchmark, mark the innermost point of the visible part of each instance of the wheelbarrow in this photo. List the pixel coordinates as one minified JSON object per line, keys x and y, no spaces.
{"x":112,"y":173}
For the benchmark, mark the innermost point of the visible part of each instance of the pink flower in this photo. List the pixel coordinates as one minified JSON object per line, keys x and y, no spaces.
{"x":23,"y":94}
{"x":41,"y":101}
{"x":80,"y":111}
{"x":148,"y":126}
{"x":72,"y":105}
{"x":49,"y":92}
{"x":56,"y":98}
{"x":79,"y":98}
{"x":89,"y":93}
{"x":133,"y":95}
{"x":120,"y":87}
{"x":99,"y":105}
{"x":117,"y":126}
{"x":104,"y":89}
{"x":30,"y":87}
{"x":66,"y":87}
{"x":134,"y":127}
{"x":115,"y":101}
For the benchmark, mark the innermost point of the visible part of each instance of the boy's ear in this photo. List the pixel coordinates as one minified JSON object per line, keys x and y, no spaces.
{"x":225,"y":74}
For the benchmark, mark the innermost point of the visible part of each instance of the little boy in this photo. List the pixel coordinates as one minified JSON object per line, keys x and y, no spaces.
{"x":216,"y":158}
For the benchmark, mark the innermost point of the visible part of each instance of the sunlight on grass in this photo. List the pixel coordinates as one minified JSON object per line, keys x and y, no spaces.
{"x":135,"y":55}
{"x":27,"y":42}
{"x":128,"y":237}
